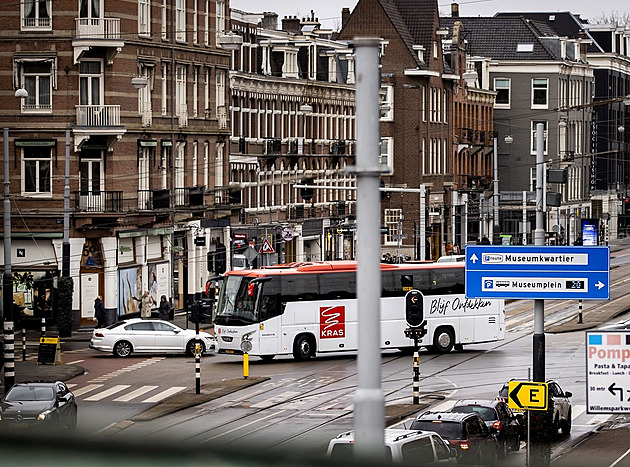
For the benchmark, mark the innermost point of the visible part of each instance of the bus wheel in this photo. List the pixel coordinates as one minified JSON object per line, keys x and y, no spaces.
{"x":443,"y":340}
{"x":303,"y":348}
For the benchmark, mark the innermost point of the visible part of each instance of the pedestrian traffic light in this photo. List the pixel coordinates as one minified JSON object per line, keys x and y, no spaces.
{"x":307,"y":193}
{"x":414,"y":308}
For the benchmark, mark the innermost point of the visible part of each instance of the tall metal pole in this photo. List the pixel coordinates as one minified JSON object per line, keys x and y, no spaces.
{"x":65,"y":256}
{"x":369,"y":402}
{"x":423,"y":223}
{"x":539,"y":239}
{"x":496,"y":226}
{"x":7,"y":277}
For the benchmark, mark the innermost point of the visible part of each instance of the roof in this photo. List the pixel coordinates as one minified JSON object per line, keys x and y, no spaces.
{"x":563,"y":23}
{"x":391,"y":435}
{"x":445,"y":416}
{"x":486,"y":37}
{"x":479,"y":402}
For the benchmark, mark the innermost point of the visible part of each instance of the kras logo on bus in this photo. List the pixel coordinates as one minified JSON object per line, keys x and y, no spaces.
{"x":332,"y":322}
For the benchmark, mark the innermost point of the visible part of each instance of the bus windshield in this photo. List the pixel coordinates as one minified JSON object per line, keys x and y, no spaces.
{"x":235,"y":306}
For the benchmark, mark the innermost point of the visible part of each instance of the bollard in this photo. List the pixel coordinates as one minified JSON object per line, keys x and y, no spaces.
{"x":416,"y":376}
{"x":245,"y":365}
{"x":43,"y":327}
{"x":23,"y":344}
{"x":198,"y":368}
{"x":580,"y":312}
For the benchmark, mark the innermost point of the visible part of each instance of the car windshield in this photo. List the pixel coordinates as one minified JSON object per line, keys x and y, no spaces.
{"x":30,"y":393}
{"x":446,"y":429}
{"x":234,"y":303}
{"x":487,"y":413}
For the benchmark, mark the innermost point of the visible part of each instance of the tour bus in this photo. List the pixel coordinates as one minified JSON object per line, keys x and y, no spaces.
{"x":311,"y":307}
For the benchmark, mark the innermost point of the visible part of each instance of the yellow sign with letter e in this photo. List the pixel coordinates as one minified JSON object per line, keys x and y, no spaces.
{"x":527,"y":395}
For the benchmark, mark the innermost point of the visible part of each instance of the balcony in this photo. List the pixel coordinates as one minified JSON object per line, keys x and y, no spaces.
{"x":97,"y":33}
{"x":98,"y":201}
{"x":97,"y":120}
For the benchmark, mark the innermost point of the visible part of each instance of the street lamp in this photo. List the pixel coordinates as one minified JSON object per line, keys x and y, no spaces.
{"x":7,"y":276}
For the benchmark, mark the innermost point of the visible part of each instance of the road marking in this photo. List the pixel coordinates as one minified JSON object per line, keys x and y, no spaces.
{"x":75,"y":362}
{"x":620,"y":458}
{"x":240,"y":427}
{"x":164,"y":394}
{"x":86,"y":389}
{"x":443,"y":407}
{"x":107,"y":392}
{"x":597,"y":419}
{"x":577,"y":411}
{"x":284,"y":397}
{"x":136,"y":393}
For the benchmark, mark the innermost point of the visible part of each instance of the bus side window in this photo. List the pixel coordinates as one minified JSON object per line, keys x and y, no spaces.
{"x":270,"y":307}
{"x":448,"y":281}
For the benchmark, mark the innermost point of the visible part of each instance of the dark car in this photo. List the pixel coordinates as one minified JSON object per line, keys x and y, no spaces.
{"x":38,"y":405}
{"x":495,"y":414}
{"x":474,"y":442}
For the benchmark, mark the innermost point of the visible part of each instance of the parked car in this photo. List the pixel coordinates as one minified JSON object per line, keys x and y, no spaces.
{"x":48,"y":406}
{"x":474,"y":442}
{"x":451,"y":258}
{"x":149,"y":335}
{"x":619,"y":326}
{"x":407,"y":447}
{"x":562,"y":411}
{"x":495,"y":414}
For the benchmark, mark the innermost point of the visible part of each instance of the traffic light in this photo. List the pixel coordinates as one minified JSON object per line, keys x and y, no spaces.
{"x":414,"y":308}
{"x":210,"y":261}
{"x":195,"y":313}
{"x":220,"y":262}
{"x":307,"y":193}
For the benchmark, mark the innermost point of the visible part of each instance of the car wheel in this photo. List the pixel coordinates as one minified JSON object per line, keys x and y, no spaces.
{"x":566,"y":426}
{"x":555,"y":427}
{"x":443,"y":340}
{"x":190,"y":348}
{"x":123,"y":349}
{"x":303,"y":348}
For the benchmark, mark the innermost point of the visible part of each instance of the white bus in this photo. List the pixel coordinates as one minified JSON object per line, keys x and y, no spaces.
{"x":308,"y":308}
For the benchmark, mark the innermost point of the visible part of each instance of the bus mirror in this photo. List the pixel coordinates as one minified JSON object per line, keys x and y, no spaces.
{"x":251,"y":289}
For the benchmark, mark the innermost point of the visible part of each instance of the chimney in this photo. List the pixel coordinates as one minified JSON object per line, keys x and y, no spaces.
{"x":291,"y":24}
{"x":454,"y":10}
{"x":345,"y":15}
{"x":270,"y":20}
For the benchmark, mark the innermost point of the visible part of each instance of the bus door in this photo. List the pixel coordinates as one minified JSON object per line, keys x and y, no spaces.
{"x":269,"y":313}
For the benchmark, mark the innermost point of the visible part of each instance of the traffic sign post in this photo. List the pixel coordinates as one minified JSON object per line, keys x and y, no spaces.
{"x":538,"y":272}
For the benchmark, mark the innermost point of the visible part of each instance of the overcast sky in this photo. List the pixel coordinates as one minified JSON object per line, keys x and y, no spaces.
{"x":329,"y":11}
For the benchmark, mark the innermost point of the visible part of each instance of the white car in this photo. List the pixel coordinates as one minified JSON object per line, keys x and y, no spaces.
{"x":149,"y":335}
{"x":407,"y":447}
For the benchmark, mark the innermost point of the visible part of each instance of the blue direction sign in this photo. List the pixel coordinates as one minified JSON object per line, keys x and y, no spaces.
{"x":538,"y":272}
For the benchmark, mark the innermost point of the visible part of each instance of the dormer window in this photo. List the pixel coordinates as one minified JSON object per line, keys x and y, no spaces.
{"x":524,"y":47}
{"x":420,"y":51}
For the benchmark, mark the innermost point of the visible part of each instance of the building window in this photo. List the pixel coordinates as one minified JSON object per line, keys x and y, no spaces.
{"x":206,"y":24}
{"x":195,"y":22}
{"x":180,"y":91}
{"x":163,"y":28}
{"x":143,"y":179}
{"x":502,"y":87}
{"x":179,"y":176}
{"x":386,"y":159}
{"x":37,"y":79}
{"x":37,"y":171}
{"x":144,"y":17}
{"x":220,"y":17}
{"x":180,"y":20}
{"x":90,"y":82}
{"x":36,"y":14}
{"x":164,"y":88}
{"x":393,"y":221}
{"x":540,"y":93}
{"x":533,"y":136}
{"x":387,"y":103}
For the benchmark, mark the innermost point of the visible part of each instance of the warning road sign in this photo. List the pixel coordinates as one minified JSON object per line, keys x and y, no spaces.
{"x":527,"y":395}
{"x":266,"y":246}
